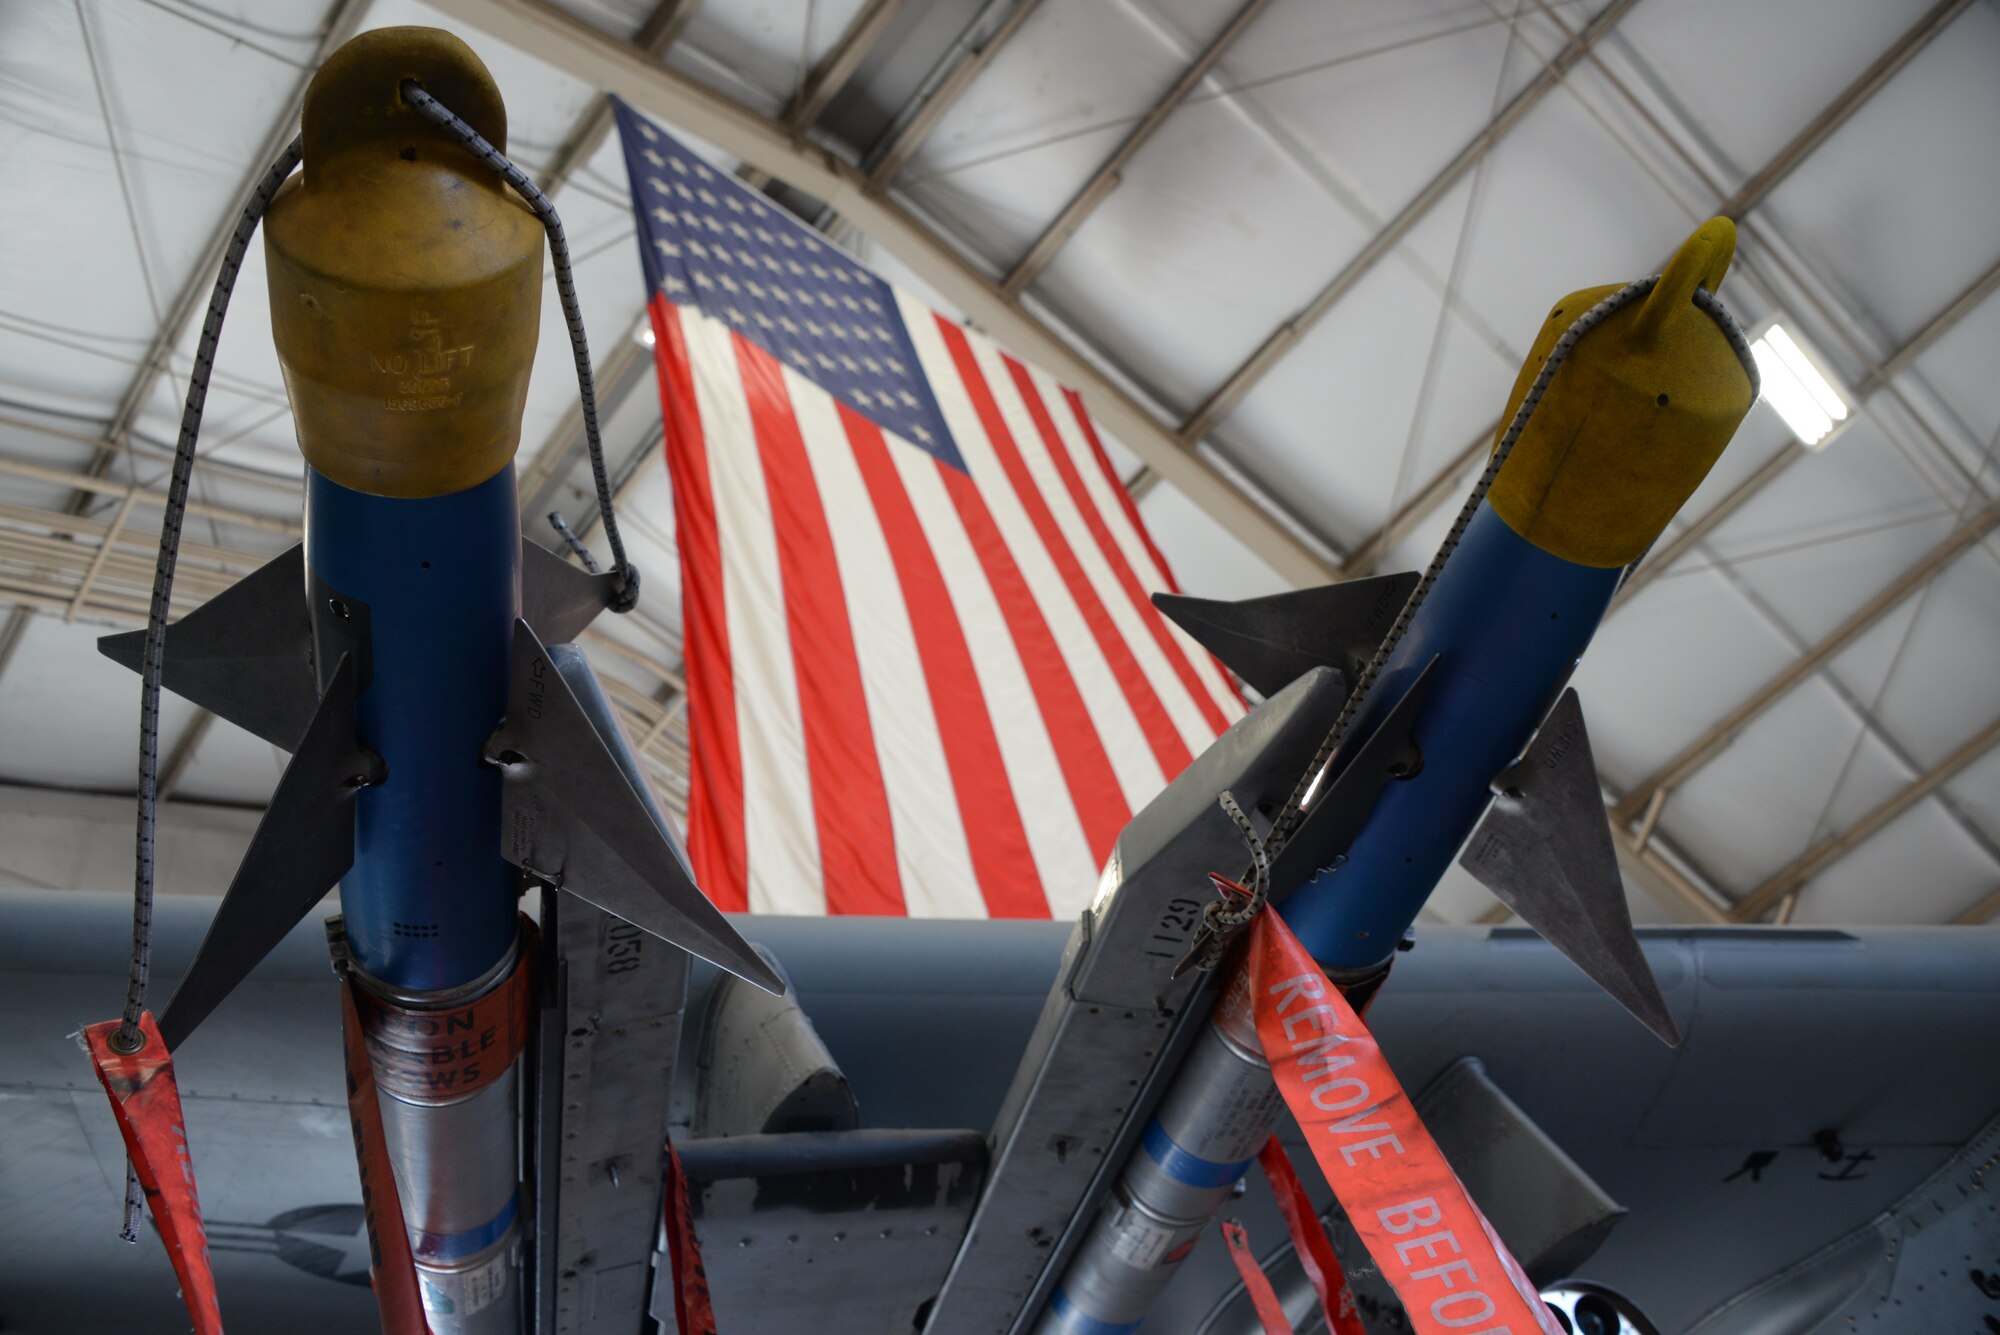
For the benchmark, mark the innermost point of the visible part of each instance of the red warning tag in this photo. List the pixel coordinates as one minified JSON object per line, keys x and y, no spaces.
{"x":391,"y":1269}
{"x":1450,"y":1269}
{"x":1270,"y":1312}
{"x":147,"y":1103}
{"x":1309,"y":1239}
{"x":693,"y":1311}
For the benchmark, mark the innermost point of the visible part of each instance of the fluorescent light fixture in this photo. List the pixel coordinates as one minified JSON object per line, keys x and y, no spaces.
{"x":644,"y":338}
{"x":1797,"y":388}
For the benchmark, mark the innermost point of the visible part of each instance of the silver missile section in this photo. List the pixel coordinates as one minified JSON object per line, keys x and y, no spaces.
{"x":1117,"y":1022}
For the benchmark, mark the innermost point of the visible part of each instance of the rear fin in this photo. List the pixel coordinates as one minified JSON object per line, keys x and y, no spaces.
{"x":244,"y":655}
{"x":301,"y":849}
{"x":570,"y":816}
{"x":1545,"y":851}
{"x":561,"y":600}
{"x":1270,"y":641}
{"x":1338,"y":813}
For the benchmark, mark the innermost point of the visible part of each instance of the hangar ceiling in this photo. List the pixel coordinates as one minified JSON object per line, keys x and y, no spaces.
{"x":1291,"y":250}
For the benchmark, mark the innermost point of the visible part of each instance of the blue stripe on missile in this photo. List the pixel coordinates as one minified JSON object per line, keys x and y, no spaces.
{"x":440,"y":1248}
{"x":1077,"y":1323}
{"x":1185,"y":1167}
{"x":1507,"y":622}
{"x":429,"y":902}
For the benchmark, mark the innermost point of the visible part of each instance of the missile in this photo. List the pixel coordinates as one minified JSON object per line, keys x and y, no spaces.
{"x":1458,"y":721}
{"x":440,"y":761}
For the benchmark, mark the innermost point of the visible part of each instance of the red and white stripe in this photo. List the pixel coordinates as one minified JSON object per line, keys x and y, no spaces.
{"x":914,"y":689}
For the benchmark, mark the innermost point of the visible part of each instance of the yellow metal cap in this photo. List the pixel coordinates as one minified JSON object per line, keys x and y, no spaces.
{"x":1633,"y":418}
{"x":406,"y":278}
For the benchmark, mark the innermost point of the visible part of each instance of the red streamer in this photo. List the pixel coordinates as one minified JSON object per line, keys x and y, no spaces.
{"x":147,"y":1104}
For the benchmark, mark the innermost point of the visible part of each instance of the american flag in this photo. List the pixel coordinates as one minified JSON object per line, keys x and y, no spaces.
{"x":924,"y":676}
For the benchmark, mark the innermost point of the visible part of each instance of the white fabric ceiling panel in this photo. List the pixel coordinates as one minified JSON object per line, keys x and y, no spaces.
{"x":1754,"y":806}
{"x":997,"y":207}
{"x":1074,"y":68}
{"x":771,"y":45}
{"x":1564,"y":207}
{"x":1749,"y":77}
{"x":1762,"y":434}
{"x":230,"y":766}
{"x":71,"y":715}
{"x":1799,"y":772}
{"x":1207,"y":560}
{"x":1945,"y":686}
{"x":1864,"y":206}
{"x":1381,"y":118}
{"x":64,"y":200}
{"x":1845,"y":523}
{"x":1959,"y":368}
{"x":1866,"y":775}
{"x":1921,"y":868}
{"x":1662,"y":670}
{"x":1326,"y":428}
{"x":1215,"y":238}
{"x":1866,"y":666}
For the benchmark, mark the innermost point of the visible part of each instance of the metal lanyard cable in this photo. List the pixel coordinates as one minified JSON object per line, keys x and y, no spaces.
{"x":442,"y":116}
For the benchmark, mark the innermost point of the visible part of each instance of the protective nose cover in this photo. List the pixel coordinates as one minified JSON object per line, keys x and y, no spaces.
{"x":1633,"y":418}
{"x":406,"y":278}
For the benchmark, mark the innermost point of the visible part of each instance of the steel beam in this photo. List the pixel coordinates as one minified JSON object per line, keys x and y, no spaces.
{"x":341,"y":24}
{"x":907,"y":135}
{"x":1448,"y":483}
{"x":1110,"y":172}
{"x":1794,"y":874}
{"x":835,"y":68}
{"x":1286,"y":336}
{"x":586,"y":53}
{"x":1820,"y":128}
{"x":1727,"y":729}
{"x":1983,"y":910}
{"x":655,"y":36}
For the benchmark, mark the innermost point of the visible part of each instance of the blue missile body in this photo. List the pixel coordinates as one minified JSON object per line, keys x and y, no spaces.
{"x":430,"y":903}
{"x":1506,"y":622}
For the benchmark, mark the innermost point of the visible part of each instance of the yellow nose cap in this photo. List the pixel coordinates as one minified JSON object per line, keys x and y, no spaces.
{"x":406,"y":278}
{"x":1634,"y":417}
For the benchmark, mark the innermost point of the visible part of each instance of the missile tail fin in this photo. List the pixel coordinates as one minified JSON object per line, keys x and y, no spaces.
{"x":1270,"y":641}
{"x":301,"y":849}
{"x":573,"y":813}
{"x":245,"y":655}
{"x":558,"y":599}
{"x":1544,"y":849}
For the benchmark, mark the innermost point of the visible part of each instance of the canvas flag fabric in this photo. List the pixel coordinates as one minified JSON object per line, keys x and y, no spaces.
{"x":924,"y":676}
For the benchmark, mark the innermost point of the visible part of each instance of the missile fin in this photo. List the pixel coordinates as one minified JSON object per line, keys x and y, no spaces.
{"x":1338,"y":814}
{"x":244,"y":655}
{"x":1545,"y":851}
{"x":1270,"y":641}
{"x":301,"y":849}
{"x":571,"y":817}
{"x":558,"y":599}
